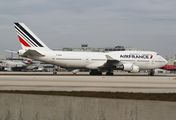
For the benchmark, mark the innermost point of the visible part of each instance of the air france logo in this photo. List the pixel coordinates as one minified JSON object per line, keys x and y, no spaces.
{"x":137,"y":56}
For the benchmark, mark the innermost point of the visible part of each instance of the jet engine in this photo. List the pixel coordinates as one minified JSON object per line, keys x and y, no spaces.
{"x":135,"y":69}
{"x":130,"y":68}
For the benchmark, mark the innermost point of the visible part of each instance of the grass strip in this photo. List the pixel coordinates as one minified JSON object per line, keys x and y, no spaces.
{"x":112,"y":95}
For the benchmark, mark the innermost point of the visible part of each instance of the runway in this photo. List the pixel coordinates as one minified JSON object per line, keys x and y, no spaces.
{"x":122,"y":83}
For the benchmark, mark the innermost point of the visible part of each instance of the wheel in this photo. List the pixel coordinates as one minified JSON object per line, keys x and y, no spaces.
{"x":151,"y":73}
{"x":99,"y":73}
{"x":91,"y":73}
{"x":95,"y":72}
{"x":109,"y":73}
{"x":54,"y":73}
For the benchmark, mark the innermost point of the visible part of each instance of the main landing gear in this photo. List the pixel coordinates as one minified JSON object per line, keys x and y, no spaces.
{"x":151,"y":72}
{"x":109,"y":72}
{"x":96,"y":72}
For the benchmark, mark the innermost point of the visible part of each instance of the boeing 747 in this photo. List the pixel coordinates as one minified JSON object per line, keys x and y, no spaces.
{"x":131,"y":61}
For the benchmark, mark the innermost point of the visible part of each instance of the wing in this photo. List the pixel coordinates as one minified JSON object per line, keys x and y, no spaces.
{"x":111,"y":63}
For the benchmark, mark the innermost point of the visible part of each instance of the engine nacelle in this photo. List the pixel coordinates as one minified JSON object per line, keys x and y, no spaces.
{"x":130,"y":68}
{"x":135,"y":69}
{"x":21,"y":52}
{"x":127,"y":67}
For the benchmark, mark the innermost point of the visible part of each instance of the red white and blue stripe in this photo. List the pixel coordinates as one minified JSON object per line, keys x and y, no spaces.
{"x":26,"y":37}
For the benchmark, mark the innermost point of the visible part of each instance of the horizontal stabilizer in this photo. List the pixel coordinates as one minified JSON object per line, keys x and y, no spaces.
{"x":33,"y":53}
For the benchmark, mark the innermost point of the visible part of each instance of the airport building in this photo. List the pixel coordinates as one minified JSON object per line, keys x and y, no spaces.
{"x":2,"y":57}
{"x":84,"y":47}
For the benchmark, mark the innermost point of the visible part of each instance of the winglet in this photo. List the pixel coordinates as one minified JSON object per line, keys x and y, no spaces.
{"x":109,"y":57}
{"x":111,"y":60}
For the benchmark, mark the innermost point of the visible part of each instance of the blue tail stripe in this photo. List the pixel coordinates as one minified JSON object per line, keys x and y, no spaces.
{"x":19,"y":32}
{"x":28,"y":34}
{"x":27,"y":39}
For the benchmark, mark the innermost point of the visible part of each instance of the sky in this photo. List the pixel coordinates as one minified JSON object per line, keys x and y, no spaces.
{"x":142,"y":24}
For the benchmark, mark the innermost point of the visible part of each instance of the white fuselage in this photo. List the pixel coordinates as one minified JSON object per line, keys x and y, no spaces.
{"x":93,"y":60}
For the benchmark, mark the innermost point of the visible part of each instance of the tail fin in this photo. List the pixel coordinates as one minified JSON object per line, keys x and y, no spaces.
{"x":28,"y":39}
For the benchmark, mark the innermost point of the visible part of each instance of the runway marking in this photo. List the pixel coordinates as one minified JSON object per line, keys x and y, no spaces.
{"x":79,"y":81}
{"x":128,"y":87}
{"x":145,"y":84}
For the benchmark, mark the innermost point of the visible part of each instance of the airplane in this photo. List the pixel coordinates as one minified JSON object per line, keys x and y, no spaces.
{"x":15,"y":65}
{"x":130,"y":61}
{"x":169,"y":67}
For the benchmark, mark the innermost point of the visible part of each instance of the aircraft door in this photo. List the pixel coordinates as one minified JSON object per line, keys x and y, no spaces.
{"x":151,"y":60}
{"x":87,"y":60}
{"x":53,"y":60}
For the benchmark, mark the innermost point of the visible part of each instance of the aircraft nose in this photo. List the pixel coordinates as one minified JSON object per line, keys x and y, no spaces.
{"x":165,"y":62}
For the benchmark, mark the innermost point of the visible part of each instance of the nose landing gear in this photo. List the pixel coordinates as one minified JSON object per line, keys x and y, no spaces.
{"x":151,"y":72}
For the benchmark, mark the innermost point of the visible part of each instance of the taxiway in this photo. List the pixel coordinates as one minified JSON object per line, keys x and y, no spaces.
{"x":122,"y":83}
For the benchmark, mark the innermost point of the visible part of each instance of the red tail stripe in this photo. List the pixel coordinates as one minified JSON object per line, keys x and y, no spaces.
{"x":23,"y":42}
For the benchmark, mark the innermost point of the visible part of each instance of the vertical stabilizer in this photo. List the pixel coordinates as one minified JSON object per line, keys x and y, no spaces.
{"x":28,"y":39}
